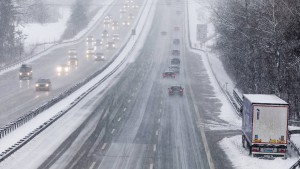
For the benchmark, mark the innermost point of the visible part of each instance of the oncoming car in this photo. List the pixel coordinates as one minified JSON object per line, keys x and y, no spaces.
{"x":25,"y":72}
{"x":111,"y":45}
{"x":72,"y":53}
{"x":175,"y":52}
{"x":104,"y":35}
{"x":90,"y":52}
{"x":126,"y":23}
{"x":177,"y":89}
{"x":43,"y":84}
{"x":115,"y":25}
{"x":99,"y":56}
{"x":73,"y":61}
{"x":62,"y":69}
{"x":90,"y":40}
{"x":115,"y":37}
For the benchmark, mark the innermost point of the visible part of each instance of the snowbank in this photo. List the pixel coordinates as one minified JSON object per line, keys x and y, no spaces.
{"x":240,"y":159}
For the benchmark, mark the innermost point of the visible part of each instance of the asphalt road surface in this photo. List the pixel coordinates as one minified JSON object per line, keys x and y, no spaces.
{"x":18,"y":97}
{"x":138,"y":125}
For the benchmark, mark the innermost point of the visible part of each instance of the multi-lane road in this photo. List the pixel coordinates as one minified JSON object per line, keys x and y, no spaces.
{"x":135,"y":124}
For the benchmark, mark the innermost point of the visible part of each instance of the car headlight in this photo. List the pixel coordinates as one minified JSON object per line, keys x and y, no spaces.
{"x":47,"y":85}
{"x":66,"y":69}
{"x":114,"y":45}
{"x":36,"y":85}
{"x":20,"y":73}
{"x":28,"y":73}
{"x":58,"y":69}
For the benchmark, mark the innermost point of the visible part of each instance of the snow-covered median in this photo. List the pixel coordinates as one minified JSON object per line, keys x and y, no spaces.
{"x":241,"y":160}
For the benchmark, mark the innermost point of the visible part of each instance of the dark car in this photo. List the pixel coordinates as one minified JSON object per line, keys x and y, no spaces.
{"x":175,"y":90}
{"x":73,"y":61}
{"x":99,"y":56}
{"x":163,"y":33}
{"x":175,"y":68}
{"x":169,"y":74}
{"x":43,"y":84}
{"x":175,"y":52}
{"x":175,"y":61}
{"x":25,"y":72}
{"x":176,"y":41}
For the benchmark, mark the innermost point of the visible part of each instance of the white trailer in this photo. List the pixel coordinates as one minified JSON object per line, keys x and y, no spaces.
{"x":265,"y":125}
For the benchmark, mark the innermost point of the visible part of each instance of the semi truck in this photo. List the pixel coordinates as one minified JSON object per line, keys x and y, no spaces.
{"x":265,"y":125}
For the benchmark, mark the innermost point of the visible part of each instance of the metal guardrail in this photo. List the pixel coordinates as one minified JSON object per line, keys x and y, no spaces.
{"x":22,"y":120}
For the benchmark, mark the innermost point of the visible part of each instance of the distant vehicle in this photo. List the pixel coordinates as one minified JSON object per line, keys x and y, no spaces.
{"x":126,"y":23}
{"x":115,"y":37}
{"x":98,"y":42}
{"x":25,"y":72}
{"x":72,"y":53}
{"x":176,"y":28}
{"x":129,"y":1}
{"x":99,"y":56}
{"x":90,"y":52}
{"x":175,"y":61}
{"x":265,"y":125}
{"x":176,"y":41}
{"x":176,"y":52}
{"x":111,"y":45}
{"x":123,"y":10}
{"x":130,"y":16}
{"x":115,"y":25}
{"x":175,"y":68}
{"x":126,"y":6}
{"x":175,"y":90}
{"x":104,"y":34}
{"x":169,"y":73}
{"x":62,"y":69}
{"x":134,"y":6}
{"x":90,"y":40}
{"x":73,"y":61}
{"x":163,"y":33}
{"x":43,"y":84}
{"x":108,"y":18}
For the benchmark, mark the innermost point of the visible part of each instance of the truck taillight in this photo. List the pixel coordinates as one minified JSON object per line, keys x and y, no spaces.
{"x":255,"y":149}
{"x":281,"y":150}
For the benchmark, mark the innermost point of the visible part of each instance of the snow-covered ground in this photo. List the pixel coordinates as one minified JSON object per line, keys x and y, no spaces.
{"x":199,"y":12}
{"x":26,"y":160}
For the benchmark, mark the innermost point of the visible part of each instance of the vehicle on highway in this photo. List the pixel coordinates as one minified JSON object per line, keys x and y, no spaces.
{"x":177,"y":89}
{"x":126,"y":23}
{"x":90,"y":52}
{"x":176,"y":28}
{"x":130,"y":16}
{"x":99,"y":56}
{"x":104,"y":35}
{"x":129,"y":1}
{"x":110,"y":45}
{"x":168,"y":73}
{"x":108,"y":19}
{"x":175,"y":52}
{"x":43,"y":84}
{"x":64,"y":68}
{"x":73,"y":61}
{"x":126,"y":6}
{"x":176,"y":41}
{"x":98,"y":44}
{"x":25,"y":72}
{"x":134,"y":6}
{"x":115,"y":37}
{"x":175,"y":61}
{"x":175,"y":68}
{"x":72,"y":53}
{"x":90,"y":40}
{"x":163,"y":33}
{"x":123,"y":10}
{"x":115,"y":25}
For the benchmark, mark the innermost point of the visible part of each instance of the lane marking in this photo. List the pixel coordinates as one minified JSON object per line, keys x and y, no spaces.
{"x":154,"y":147}
{"x":124,"y":109}
{"x":160,"y":110}
{"x":112,"y":131}
{"x":156,"y":132}
{"x":151,"y":166}
{"x":103,"y":147}
{"x":119,"y":119}
{"x":158,"y":120}
{"x":92,"y":166}
{"x":160,"y":102}
{"x":129,"y":101}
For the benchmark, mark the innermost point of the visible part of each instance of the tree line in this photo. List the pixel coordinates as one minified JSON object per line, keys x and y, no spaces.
{"x":259,"y":45}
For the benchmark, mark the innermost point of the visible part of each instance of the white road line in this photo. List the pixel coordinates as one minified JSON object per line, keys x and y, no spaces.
{"x":158,"y":120}
{"x":156,"y":132}
{"x":160,"y":110}
{"x":124,"y":109}
{"x":119,"y":119}
{"x":160,"y":102}
{"x":103,"y":147}
{"x":151,"y":166}
{"x":92,"y":166}
{"x":154,"y":147}
{"x":112,"y":131}
{"x":129,"y":101}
